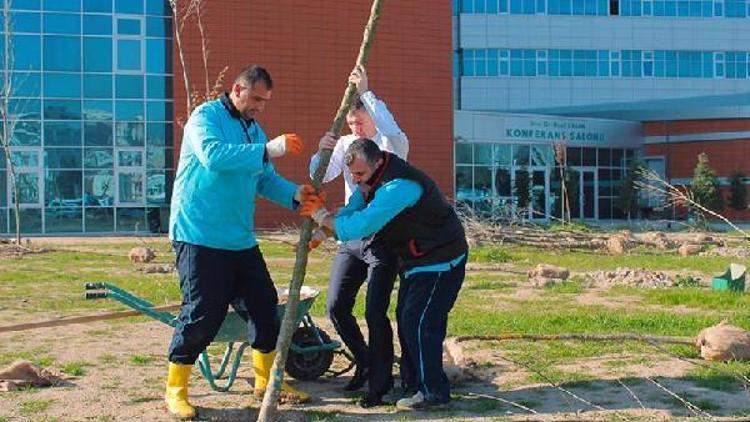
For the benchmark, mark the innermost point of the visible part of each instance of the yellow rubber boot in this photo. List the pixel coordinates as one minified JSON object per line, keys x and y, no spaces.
{"x":177,"y":391}
{"x":262,"y":363}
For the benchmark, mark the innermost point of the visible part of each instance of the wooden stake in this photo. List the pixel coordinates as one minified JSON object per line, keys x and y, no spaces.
{"x":270,"y":399}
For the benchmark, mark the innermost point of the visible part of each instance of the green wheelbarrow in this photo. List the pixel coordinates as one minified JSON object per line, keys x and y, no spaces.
{"x":310,"y":354}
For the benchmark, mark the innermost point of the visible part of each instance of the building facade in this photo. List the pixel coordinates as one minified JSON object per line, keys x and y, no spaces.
{"x":640,"y":72}
{"x":98,"y":97}
{"x":90,"y":115}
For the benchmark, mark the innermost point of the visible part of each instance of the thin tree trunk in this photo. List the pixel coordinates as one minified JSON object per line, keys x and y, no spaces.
{"x":8,"y":126}
{"x":174,"y":4}
{"x":268,"y":408}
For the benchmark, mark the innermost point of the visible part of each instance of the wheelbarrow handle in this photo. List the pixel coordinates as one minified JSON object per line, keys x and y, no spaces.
{"x":96,"y":295}
{"x":94,"y":286}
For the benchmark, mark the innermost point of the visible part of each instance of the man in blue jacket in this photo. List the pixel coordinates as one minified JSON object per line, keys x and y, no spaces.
{"x":410,"y":216}
{"x":225,"y":162}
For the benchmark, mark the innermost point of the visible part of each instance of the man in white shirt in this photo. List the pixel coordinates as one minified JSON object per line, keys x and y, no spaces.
{"x":366,"y":259}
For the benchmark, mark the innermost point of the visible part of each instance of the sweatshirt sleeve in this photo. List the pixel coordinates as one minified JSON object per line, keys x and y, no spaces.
{"x":394,"y":139}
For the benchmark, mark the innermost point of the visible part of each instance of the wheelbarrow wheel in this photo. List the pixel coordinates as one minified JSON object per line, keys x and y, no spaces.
{"x":309,"y":366}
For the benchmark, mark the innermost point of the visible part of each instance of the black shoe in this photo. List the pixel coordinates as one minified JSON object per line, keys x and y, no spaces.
{"x":361,"y":374}
{"x":369,"y":401}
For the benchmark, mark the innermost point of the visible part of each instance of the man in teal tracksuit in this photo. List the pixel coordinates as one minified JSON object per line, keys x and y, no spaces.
{"x":406,"y":210}
{"x":225,"y":162}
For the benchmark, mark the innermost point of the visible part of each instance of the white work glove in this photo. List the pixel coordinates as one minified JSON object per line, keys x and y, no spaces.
{"x":280,"y":145}
{"x":358,"y":77}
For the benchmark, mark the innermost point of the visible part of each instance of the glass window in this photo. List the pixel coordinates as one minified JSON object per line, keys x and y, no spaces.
{"x":158,"y":27}
{"x":129,"y":134}
{"x":617,"y":160}
{"x":130,"y":187}
{"x":31,"y":220}
{"x":97,"y":133}
{"x":26,"y":109}
{"x":97,"y":25}
{"x":98,"y":189}
{"x":467,"y":62}
{"x":62,"y":133}
{"x":605,"y":157}
{"x":128,"y":86}
{"x":159,"y":56}
{"x":159,"y":134}
{"x":131,"y":219}
{"x":26,"y":134}
{"x":159,"y":111}
{"x":97,"y":6}
{"x":63,"y":187}
{"x":464,"y":153}
{"x":130,"y":158}
{"x":26,"y":84}
{"x":589,"y":157}
{"x":502,"y":182}
{"x":62,"y":158}
{"x":62,"y":53}
{"x":26,"y":22}
{"x":541,"y":155}
{"x":521,"y":155}
{"x":62,"y":109}
{"x":61,"y":23}
{"x":502,"y":154}
{"x":158,"y":7}
{"x":128,"y":26}
{"x":97,"y":110}
{"x":64,"y":85}
{"x":129,"y":55}
{"x":134,"y":7}
{"x":63,"y":220}
{"x":99,"y":220}
{"x":159,"y":87}
{"x":156,"y":187}
{"x":27,"y":52}
{"x":573,"y":156}
{"x":482,"y":153}
{"x":3,"y":200}
{"x":97,"y":54}
{"x":25,"y":158}
{"x":464,"y":183}
{"x":98,"y":158}
{"x":159,"y":157}
{"x":62,"y":5}
{"x":97,"y":86}
{"x":129,"y":110}
{"x":26,"y":4}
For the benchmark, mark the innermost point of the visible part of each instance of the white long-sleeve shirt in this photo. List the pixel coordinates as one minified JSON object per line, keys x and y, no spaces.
{"x":389,"y":137}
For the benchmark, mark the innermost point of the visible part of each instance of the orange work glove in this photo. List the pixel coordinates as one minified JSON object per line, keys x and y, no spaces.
{"x":310,"y":201}
{"x":318,"y":236}
{"x":287,"y":143}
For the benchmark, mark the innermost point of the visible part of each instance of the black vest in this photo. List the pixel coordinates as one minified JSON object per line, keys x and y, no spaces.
{"x":428,"y":232}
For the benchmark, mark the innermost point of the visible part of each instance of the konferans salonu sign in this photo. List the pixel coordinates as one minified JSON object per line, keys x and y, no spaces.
{"x":550,"y":130}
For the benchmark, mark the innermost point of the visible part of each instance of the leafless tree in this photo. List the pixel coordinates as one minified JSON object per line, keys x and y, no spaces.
{"x":559,"y":146}
{"x":676,"y":196}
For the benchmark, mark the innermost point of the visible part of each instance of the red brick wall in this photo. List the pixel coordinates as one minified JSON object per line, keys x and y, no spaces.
{"x":724,"y":156}
{"x":309,"y":48}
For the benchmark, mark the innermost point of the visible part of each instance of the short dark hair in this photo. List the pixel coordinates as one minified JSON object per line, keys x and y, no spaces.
{"x":356,"y":104}
{"x":254,"y":74}
{"x":364,"y":149}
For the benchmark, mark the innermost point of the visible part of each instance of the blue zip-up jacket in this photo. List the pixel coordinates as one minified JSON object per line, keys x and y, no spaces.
{"x":220,"y":172}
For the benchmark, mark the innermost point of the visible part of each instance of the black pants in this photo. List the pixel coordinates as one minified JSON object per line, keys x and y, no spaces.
{"x":355,"y":262}
{"x":211,"y":279}
{"x":424,"y":301}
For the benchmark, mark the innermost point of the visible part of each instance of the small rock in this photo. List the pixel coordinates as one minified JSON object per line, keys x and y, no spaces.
{"x":688,"y":249}
{"x":549,"y":271}
{"x":141,"y":254}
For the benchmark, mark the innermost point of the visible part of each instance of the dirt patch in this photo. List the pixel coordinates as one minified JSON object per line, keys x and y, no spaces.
{"x":11,"y":251}
{"x":636,"y":277}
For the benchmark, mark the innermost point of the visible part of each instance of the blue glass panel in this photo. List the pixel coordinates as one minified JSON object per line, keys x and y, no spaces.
{"x":62,"y":158}
{"x":158,"y":27}
{"x":27,"y":133}
{"x":491,"y":7}
{"x":159,"y":134}
{"x":134,"y":7}
{"x":104,"y":6}
{"x":128,"y":26}
{"x":101,"y":219}
{"x":553,"y":7}
{"x":492,"y":62}
{"x":62,"y":5}
{"x":128,"y":55}
{"x":97,"y":6}
{"x":62,"y":110}
{"x":127,"y":86}
{"x":503,"y":6}
{"x":97,"y":110}
{"x":25,"y":109}
{"x":65,"y":85}
{"x":97,"y":25}
{"x":159,"y":111}
{"x":129,"y":110}
{"x":31,"y":219}
{"x":468,"y":63}
{"x":98,"y":158}
{"x":130,"y":219}
{"x":528,"y":7}
{"x":59,"y":134}
{"x":467,"y":6}
{"x":479,"y":6}
{"x":26,"y":4}
{"x":26,"y":22}
{"x":158,"y":56}
{"x":62,"y":23}
{"x":97,"y":54}
{"x":161,"y":7}
{"x":578,"y":7}
{"x":66,"y":219}
{"x":161,"y":86}
{"x":63,"y":188}
{"x":603,"y":8}
{"x":129,"y":134}
{"x":670,"y":8}
{"x":683,"y":8}
{"x":98,"y":133}
{"x":516,"y":7}
{"x":97,"y":86}
{"x":26,"y":84}
{"x":27,"y":50}
{"x":62,"y":53}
